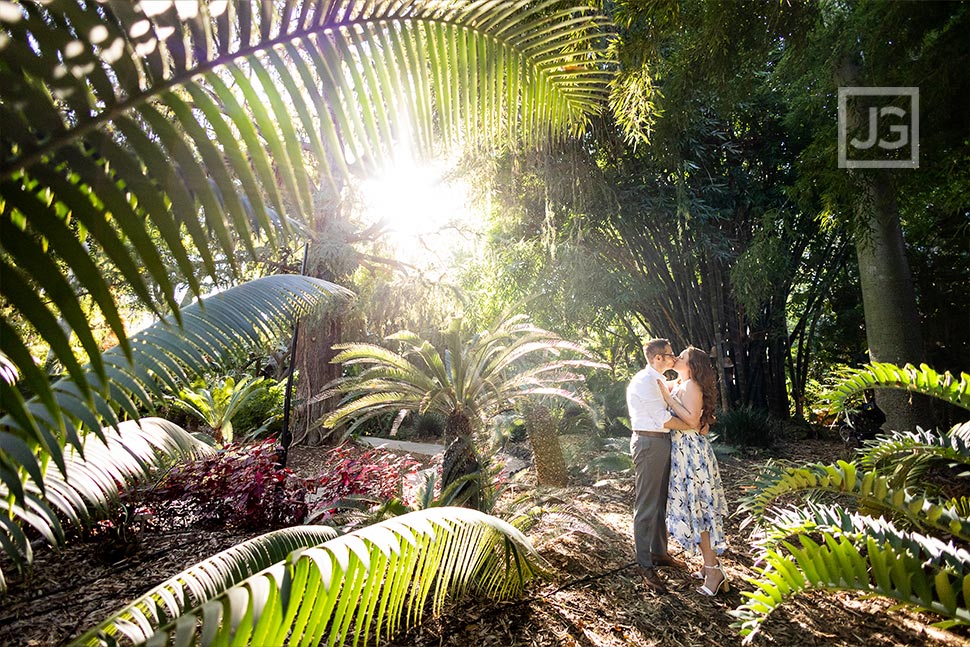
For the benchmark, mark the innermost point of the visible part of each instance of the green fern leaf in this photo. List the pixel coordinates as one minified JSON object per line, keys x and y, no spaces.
{"x":922,"y":380}
{"x":380,"y":576}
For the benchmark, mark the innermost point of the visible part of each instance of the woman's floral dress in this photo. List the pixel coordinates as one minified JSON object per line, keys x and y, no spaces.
{"x":695,"y":498}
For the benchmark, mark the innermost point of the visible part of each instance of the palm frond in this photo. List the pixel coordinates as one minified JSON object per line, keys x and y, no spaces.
{"x":952,"y":446}
{"x":247,"y":317}
{"x":379,"y":577}
{"x":610,"y":462}
{"x":854,"y":552}
{"x":366,"y":354}
{"x":89,"y":483}
{"x":871,"y":490}
{"x":370,"y":404}
{"x":922,"y":380}
{"x":473,"y":73}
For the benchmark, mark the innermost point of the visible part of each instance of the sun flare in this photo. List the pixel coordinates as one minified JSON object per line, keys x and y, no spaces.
{"x":422,"y":210}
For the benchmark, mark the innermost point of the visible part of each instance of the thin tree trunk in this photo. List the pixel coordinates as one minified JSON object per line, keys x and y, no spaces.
{"x":720,"y":328}
{"x":777,"y":388}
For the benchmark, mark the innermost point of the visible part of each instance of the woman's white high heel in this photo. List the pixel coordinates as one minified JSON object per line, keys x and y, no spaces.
{"x":723,"y":583}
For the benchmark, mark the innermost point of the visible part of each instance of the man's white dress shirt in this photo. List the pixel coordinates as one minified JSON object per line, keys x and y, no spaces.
{"x":646,"y":405}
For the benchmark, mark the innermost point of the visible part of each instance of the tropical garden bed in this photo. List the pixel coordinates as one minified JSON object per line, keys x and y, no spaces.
{"x":637,"y":169}
{"x":593,"y":599}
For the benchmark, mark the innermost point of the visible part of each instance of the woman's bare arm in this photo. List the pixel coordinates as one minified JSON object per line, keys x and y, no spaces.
{"x":690,"y":409}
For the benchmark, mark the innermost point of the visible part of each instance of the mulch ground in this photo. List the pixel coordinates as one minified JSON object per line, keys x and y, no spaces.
{"x":594,"y":598}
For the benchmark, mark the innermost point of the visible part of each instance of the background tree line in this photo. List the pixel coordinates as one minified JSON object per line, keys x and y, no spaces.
{"x":708,"y":206}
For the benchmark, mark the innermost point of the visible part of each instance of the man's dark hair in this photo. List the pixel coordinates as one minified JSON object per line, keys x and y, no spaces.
{"x":655,"y":347}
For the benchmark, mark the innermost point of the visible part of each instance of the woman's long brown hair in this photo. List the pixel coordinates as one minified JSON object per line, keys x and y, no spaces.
{"x":702,"y":373}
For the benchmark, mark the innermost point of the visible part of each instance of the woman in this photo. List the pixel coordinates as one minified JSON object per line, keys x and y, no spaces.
{"x":696,"y":503}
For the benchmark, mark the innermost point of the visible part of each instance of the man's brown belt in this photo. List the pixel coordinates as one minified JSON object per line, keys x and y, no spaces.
{"x":653,"y":434}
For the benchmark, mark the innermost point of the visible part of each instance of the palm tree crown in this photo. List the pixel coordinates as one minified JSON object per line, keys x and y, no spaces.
{"x":476,"y":375}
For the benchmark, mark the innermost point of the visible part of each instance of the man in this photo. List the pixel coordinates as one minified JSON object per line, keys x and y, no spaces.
{"x":650,"y":447}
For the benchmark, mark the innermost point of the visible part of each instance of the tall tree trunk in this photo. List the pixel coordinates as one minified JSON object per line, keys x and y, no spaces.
{"x":889,"y":299}
{"x":313,"y":354}
{"x":888,"y":296}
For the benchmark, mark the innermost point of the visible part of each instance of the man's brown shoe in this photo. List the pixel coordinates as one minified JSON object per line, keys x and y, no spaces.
{"x":652,"y":580}
{"x":667,"y":560}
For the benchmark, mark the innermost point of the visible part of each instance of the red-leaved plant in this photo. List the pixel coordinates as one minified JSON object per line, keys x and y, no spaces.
{"x":349,"y":470}
{"x":243,"y":486}
{"x":240,"y":485}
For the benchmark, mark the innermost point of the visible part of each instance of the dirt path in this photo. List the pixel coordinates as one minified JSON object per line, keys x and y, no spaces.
{"x":424,"y":449}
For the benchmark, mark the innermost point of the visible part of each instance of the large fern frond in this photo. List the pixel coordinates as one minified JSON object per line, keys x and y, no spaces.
{"x":88,"y":485}
{"x":923,"y":380}
{"x":871,"y":491}
{"x":379,"y":578}
{"x":855,"y":552}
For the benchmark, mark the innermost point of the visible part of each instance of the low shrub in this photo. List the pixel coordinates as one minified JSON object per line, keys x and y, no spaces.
{"x":745,"y":427}
{"x":240,"y":486}
{"x":350,"y":470}
{"x":243,"y":486}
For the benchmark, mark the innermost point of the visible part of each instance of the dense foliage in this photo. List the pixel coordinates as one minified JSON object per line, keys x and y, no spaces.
{"x":892,"y":522}
{"x":238,"y":486}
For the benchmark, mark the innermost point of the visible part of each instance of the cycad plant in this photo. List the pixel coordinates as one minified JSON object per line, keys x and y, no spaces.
{"x":473,"y":377}
{"x":905,"y":534}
